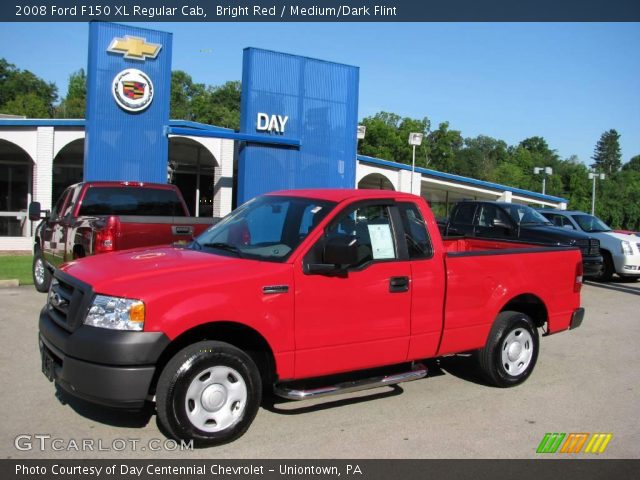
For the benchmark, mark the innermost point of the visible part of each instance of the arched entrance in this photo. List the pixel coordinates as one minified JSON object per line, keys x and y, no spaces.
{"x":16,"y":188}
{"x":191,"y":168}
{"x":67,"y":167}
{"x":375,"y":181}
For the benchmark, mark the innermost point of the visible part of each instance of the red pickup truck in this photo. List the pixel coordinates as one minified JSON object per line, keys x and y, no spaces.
{"x":100,"y":217}
{"x":289,"y":290}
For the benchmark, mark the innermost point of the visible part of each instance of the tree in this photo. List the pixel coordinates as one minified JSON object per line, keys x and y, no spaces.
{"x":607,"y":156}
{"x":183,"y":92}
{"x":443,"y":145}
{"x":23,"y":93}
{"x":74,"y":104}
{"x":480,"y":157}
{"x":388,"y":138}
{"x":632,"y":165}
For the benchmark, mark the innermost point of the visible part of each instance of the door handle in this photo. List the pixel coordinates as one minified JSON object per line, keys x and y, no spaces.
{"x":398,"y":284}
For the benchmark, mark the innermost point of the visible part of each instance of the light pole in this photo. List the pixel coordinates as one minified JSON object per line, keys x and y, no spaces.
{"x":415,"y":140}
{"x":544,"y":171}
{"x":593,"y":176}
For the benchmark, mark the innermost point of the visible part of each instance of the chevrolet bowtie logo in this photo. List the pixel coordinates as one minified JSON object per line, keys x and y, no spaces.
{"x":134,"y":48}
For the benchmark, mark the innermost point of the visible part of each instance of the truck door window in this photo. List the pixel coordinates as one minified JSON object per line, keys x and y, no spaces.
{"x":371,"y":226}
{"x":73,"y":198}
{"x":464,"y":214}
{"x":492,"y":216}
{"x":415,"y":232}
{"x":55,"y":213}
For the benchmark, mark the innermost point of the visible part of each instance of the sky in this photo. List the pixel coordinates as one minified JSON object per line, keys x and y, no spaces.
{"x":566,"y":82}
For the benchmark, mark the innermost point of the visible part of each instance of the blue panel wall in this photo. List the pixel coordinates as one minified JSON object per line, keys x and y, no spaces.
{"x":123,"y":145}
{"x":321,"y":100}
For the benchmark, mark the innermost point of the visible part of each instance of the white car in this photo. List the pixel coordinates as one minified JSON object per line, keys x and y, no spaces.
{"x":620,"y":252}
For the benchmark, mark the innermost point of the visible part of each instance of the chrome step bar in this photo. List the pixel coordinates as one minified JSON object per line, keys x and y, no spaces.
{"x":418,"y":371}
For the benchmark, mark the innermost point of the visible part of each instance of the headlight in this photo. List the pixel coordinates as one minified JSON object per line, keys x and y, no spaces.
{"x":626,"y":248}
{"x":116,"y":313}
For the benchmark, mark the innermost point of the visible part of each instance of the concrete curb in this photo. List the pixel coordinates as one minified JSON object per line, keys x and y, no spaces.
{"x":9,"y":283}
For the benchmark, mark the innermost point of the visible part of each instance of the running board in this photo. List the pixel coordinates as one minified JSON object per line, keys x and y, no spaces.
{"x":418,"y":371}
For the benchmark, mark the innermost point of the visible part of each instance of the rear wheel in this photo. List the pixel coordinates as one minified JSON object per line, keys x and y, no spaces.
{"x":40,"y":272}
{"x":209,"y":392}
{"x":511,"y":351}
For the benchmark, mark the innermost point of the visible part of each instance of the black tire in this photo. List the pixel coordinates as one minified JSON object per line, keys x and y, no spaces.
{"x":229,"y":370}
{"x":608,"y":268}
{"x":513,"y":330}
{"x":40,"y":273}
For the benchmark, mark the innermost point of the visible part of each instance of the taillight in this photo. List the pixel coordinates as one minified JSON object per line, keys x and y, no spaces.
{"x":577,"y":286}
{"x":105,"y":239}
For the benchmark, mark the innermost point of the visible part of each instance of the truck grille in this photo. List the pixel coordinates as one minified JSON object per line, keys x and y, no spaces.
{"x":67,"y":301}
{"x":589,"y":246}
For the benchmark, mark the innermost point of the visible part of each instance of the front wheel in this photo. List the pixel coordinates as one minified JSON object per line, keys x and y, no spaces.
{"x":511,"y":351}
{"x":40,"y":272}
{"x":209,"y":392}
{"x":608,"y":269}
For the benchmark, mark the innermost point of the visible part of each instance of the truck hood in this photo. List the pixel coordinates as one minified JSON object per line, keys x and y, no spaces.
{"x":137,"y":273}
{"x":544,"y":233}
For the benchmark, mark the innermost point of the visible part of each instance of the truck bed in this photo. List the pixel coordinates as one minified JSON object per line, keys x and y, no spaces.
{"x":465,"y":245}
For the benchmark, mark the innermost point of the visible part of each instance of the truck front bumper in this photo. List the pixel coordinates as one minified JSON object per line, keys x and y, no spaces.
{"x":627,"y":265}
{"x":592,"y":265}
{"x":109,"y":367}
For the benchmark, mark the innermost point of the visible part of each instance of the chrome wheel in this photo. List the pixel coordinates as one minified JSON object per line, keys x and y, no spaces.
{"x":517,"y":351}
{"x":38,"y":271}
{"x":216,"y":399}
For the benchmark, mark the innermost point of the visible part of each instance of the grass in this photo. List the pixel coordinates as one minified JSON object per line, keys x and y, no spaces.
{"x":16,"y":266}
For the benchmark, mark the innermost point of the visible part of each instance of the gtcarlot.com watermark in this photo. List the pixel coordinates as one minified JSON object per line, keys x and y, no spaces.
{"x":41,"y":442}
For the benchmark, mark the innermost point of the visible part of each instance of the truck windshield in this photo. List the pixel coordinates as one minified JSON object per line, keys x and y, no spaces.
{"x":268,"y":227}
{"x":524,"y":215}
{"x":591,"y":224}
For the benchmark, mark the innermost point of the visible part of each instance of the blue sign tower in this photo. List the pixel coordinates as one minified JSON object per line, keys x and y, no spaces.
{"x":298,"y":98}
{"x":128,"y":91}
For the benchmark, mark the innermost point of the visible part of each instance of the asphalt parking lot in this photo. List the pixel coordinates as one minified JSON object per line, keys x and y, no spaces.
{"x":585,"y":381}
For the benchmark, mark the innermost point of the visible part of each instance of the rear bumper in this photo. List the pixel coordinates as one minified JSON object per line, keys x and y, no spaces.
{"x":576,"y":318}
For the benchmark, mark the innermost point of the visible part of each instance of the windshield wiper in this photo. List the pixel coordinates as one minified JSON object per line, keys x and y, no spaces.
{"x":224,"y":246}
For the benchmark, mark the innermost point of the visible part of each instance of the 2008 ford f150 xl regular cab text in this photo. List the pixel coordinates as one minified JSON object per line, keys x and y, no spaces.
{"x":289,"y":290}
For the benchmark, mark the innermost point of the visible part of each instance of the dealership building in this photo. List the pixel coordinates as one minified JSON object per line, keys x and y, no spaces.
{"x":297,"y":130}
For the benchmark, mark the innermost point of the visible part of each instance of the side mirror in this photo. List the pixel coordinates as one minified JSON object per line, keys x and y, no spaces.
{"x":502,"y":224}
{"x":35,"y":211}
{"x":339,"y":253}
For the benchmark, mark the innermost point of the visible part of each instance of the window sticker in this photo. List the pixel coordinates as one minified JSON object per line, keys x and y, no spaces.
{"x":316,"y":209}
{"x":381,"y":242}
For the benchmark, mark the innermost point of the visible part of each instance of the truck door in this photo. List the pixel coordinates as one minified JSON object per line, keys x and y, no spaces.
{"x":359,"y":318}
{"x":427,"y":283}
{"x":53,"y":232}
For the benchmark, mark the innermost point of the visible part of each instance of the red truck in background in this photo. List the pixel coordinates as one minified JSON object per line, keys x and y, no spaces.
{"x":288,"y":291}
{"x":100,"y":217}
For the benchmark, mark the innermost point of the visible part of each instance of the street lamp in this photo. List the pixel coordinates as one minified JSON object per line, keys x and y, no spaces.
{"x":593,"y":176}
{"x":544,"y":171}
{"x":362,"y":130}
{"x":415,"y":140}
